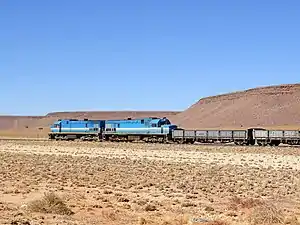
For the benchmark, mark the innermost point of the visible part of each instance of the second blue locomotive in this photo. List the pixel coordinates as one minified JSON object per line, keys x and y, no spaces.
{"x":149,"y":129}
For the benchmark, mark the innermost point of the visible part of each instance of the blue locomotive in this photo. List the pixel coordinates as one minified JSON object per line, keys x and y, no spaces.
{"x":150,"y":129}
{"x":71,"y":129}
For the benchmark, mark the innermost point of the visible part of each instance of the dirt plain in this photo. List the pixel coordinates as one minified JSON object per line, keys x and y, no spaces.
{"x":133,"y":183}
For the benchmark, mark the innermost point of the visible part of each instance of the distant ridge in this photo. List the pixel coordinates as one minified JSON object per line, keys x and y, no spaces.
{"x":110,"y":112}
{"x":277,"y":105}
{"x":32,"y":126}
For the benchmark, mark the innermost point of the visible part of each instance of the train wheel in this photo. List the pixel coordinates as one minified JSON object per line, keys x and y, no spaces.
{"x":180,"y":141}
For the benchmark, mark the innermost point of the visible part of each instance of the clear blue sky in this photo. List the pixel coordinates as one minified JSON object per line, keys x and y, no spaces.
{"x":141,"y":55}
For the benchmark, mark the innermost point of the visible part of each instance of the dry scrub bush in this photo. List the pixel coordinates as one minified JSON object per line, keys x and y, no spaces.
{"x":185,"y":221}
{"x":109,"y":214}
{"x":150,"y":207}
{"x":180,"y":220}
{"x":261,"y":211}
{"x":239,"y":203}
{"x":20,"y":222}
{"x":50,"y":203}
{"x":217,"y":222}
{"x":292,"y":220}
{"x":266,"y":214}
{"x":142,"y":221}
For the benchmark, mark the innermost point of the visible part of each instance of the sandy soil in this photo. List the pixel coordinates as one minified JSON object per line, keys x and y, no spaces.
{"x":120,"y":183}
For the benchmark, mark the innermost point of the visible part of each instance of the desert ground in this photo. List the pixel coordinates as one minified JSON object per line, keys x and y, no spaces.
{"x":52,"y":182}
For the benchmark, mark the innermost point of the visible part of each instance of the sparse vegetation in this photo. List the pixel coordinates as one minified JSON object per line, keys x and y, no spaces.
{"x":118,"y":183}
{"x":50,"y":203}
{"x":150,"y":207}
{"x":266,"y":214}
{"x":109,"y":214}
{"x":237,"y":203}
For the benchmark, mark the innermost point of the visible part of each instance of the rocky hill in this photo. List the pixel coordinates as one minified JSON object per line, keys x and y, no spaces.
{"x":273,"y":106}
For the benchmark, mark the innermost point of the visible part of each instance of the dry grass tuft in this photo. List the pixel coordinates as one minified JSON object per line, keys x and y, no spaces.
{"x":239,"y":203}
{"x":150,"y":207}
{"x":20,"y":222}
{"x":50,"y":203}
{"x":178,"y":220}
{"x":96,"y":180}
{"x":292,"y":220}
{"x":266,"y":214}
{"x":217,"y":222}
{"x":142,"y":221}
{"x":109,"y":214}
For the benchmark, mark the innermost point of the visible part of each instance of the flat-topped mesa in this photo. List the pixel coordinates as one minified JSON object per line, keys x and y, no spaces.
{"x":111,"y":114}
{"x":265,"y":106}
{"x":269,"y":90}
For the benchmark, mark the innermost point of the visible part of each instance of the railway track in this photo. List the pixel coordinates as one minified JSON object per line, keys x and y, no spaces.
{"x":250,"y":146}
{"x":23,"y":139}
{"x":197,"y":144}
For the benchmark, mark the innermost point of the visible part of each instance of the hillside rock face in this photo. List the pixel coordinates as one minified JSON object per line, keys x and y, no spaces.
{"x":259,"y":107}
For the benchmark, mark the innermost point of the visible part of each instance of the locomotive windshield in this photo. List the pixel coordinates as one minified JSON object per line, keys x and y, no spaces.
{"x":163,"y":122}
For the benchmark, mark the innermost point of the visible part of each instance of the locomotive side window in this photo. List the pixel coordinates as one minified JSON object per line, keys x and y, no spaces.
{"x":110,"y":129}
{"x":142,"y":121}
{"x":153,"y":125}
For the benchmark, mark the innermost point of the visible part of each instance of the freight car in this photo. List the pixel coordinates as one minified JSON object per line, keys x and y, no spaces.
{"x":251,"y":136}
{"x":239,"y":137}
{"x":275,"y":137}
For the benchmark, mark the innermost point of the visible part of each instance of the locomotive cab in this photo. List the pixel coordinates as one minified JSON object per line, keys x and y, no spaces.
{"x":163,"y":121}
{"x":56,"y":126}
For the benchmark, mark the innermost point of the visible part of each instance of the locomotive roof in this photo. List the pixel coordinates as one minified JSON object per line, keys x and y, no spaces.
{"x":143,"y":118}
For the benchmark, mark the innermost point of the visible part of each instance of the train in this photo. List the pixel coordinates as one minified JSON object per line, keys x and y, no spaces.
{"x":161,"y":130}
{"x":149,"y":129}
